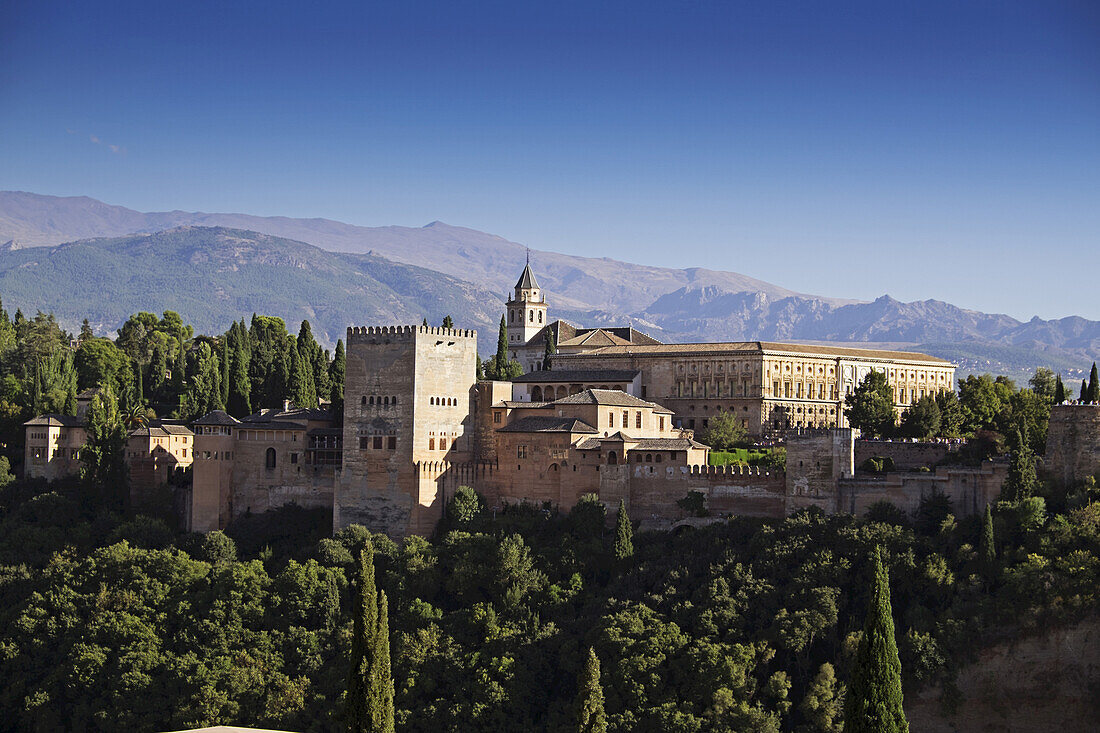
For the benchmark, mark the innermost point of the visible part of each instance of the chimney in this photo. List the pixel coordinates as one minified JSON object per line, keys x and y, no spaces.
{"x":286,"y":405}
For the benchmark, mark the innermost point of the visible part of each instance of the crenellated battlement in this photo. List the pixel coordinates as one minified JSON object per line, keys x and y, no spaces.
{"x":364,"y":334}
{"x":724,"y":472}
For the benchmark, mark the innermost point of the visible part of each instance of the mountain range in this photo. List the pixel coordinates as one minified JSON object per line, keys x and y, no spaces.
{"x":64,"y":253}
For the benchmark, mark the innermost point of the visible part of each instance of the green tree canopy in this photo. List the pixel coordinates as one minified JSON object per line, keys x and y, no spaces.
{"x":870,"y":407}
{"x":591,"y":717}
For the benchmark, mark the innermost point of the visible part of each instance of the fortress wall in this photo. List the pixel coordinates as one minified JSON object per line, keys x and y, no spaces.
{"x":1073,"y":443}
{"x":905,"y":455}
{"x":969,"y":489}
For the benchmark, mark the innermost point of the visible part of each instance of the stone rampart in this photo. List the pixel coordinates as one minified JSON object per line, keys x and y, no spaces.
{"x":904,"y":454}
{"x":970,"y":489}
{"x":1073,"y":442}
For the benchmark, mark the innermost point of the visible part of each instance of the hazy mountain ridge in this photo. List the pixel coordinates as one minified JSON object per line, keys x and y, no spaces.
{"x":488,"y":261}
{"x":379,"y":266}
{"x":212,"y":276}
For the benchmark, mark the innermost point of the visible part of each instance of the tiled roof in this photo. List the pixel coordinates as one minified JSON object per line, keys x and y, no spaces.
{"x":527,"y":279}
{"x":174,"y":429}
{"x":760,"y":347}
{"x":55,"y":421}
{"x":596,"y":338}
{"x":271,"y":425}
{"x":510,"y":404}
{"x":541,"y":424}
{"x":579,"y":375}
{"x":640,"y":443}
{"x":611,"y":397}
{"x":217,"y":417}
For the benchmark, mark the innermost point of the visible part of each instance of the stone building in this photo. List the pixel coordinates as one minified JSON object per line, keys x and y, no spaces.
{"x":770,"y":387}
{"x":615,"y":417}
{"x":1073,"y":442}
{"x":529,"y":326}
{"x":261,"y":462}
{"x":153,"y":451}
{"x":53,"y":444}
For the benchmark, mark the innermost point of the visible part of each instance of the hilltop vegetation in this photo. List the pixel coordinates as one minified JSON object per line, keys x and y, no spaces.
{"x":108,"y":622}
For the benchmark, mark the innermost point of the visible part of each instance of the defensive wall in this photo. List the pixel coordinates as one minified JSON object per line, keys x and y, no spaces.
{"x":1073,"y":442}
{"x":905,"y":455}
{"x":970,"y":489}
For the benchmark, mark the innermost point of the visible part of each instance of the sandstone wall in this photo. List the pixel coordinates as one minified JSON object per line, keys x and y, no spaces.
{"x":1073,"y":442}
{"x":969,"y":489}
{"x":905,"y":455}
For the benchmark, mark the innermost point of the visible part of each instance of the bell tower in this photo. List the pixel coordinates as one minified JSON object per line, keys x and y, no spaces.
{"x":526,"y":314}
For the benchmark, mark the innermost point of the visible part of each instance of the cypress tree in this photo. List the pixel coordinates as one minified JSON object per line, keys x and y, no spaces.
{"x":500,"y":361}
{"x":874,"y":701}
{"x":479,"y":374}
{"x":336,"y":376}
{"x":425,"y":323}
{"x":624,"y":534}
{"x":301,"y":380}
{"x":448,"y":322}
{"x":591,"y":717}
{"x":1093,"y":393}
{"x":1021,"y":480}
{"x":985,"y":543}
{"x":224,"y":363}
{"x":364,"y":628}
{"x":1084,"y":391}
{"x":380,"y":696}
{"x":1059,"y":390}
{"x":551,"y":348}
{"x":239,"y":403}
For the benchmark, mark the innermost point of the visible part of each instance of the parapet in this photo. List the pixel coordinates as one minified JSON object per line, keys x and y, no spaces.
{"x":365,"y":334}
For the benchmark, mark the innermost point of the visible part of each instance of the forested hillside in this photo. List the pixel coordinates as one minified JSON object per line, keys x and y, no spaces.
{"x":109,"y":622}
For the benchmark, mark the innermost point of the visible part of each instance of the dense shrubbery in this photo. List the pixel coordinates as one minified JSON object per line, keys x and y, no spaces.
{"x":111,"y":622}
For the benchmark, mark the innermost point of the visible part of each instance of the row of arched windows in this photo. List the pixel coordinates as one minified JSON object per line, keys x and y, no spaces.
{"x":384,"y":400}
{"x":443,"y":401}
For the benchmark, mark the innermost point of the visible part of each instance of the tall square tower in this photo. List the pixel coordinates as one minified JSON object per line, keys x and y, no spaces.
{"x":408,"y":404}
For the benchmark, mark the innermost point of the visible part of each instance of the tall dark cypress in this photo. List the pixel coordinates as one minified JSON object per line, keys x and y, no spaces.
{"x":986,"y":549}
{"x":624,"y":534}
{"x":1021,"y":479}
{"x":591,"y":717}
{"x":224,"y":364}
{"x":1093,"y":392}
{"x":874,"y":701}
{"x":500,"y":361}
{"x":551,"y":348}
{"x":336,"y":376}
{"x":364,"y":627}
{"x":240,"y":388}
{"x":1059,"y":390}
{"x":380,"y":696}
{"x":1084,"y":391}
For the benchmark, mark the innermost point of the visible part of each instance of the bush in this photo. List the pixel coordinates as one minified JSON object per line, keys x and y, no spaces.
{"x":886,"y":512}
{"x":695,"y":504}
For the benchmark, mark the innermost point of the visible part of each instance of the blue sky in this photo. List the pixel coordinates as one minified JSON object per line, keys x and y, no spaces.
{"x":926,"y":150}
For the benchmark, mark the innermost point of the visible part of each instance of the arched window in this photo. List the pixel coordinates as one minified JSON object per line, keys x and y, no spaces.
{"x":531,"y":316}
{"x":372,"y":399}
{"x":385,"y":400}
{"x":269,"y":458}
{"x":431,"y":443}
{"x":612,"y":457}
{"x":536,"y":394}
{"x":540,"y":321}
{"x":363,"y":401}
{"x":393,"y":400}
{"x":658,"y":458}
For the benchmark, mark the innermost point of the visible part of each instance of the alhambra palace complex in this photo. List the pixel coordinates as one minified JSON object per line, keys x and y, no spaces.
{"x":615,"y":417}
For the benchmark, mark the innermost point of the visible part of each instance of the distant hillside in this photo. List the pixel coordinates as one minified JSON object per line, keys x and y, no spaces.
{"x":212,"y":276}
{"x":491,"y":262}
{"x":357,"y":272}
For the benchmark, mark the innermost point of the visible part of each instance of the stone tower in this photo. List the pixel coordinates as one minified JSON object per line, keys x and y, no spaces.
{"x":408,"y":402}
{"x":526,"y":310}
{"x":1073,"y":442}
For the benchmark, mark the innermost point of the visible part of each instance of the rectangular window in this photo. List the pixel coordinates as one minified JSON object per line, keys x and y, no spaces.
{"x":775,"y":388}
{"x":521,"y":451}
{"x":377,"y":442}
{"x":293,"y":457}
{"x":362,"y":442}
{"x":496,"y":416}
{"x":392,"y":442}
{"x":442,"y":444}
{"x":611,"y":419}
{"x":638,"y":419}
{"x":660,"y":424}
{"x":787,"y":389}
{"x":626,"y":418}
